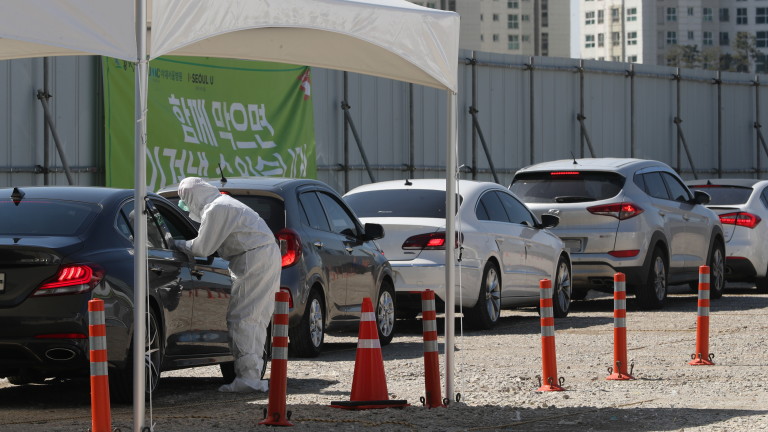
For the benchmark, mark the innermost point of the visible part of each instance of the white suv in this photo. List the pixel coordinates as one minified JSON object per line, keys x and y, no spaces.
{"x":627,"y":215}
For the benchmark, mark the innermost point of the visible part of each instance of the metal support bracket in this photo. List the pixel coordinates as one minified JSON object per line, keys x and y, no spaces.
{"x":43,"y":97}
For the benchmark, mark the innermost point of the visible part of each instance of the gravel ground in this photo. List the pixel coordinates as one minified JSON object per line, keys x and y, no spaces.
{"x":496,"y":377}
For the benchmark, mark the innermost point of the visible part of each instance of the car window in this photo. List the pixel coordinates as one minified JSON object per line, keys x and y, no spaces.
{"x":271,"y":209}
{"x":726,"y":194}
{"x":341,"y":221}
{"x":154,"y":235}
{"x":677,"y":190}
{"x":654,"y":185}
{"x":314,"y":215}
{"x":764,"y":197}
{"x":46,"y":217}
{"x":173,"y":222}
{"x":490,"y":208}
{"x":399,"y":203}
{"x":516,"y":211}
{"x":566,"y":186}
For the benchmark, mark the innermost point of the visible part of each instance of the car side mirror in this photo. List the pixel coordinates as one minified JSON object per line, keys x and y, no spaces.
{"x":549,"y":221}
{"x":373,"y":231}
{"x":701,"y":197}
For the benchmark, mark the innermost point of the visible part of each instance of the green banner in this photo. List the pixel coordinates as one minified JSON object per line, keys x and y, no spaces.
{"x":251,"y":118}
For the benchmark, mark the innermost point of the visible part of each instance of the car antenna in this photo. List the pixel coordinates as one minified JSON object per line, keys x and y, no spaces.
{"x":408,"y":182}
{"x":17,"y":195}
{"x":709,"y":182}
{"x":574,"y":159}
{"x":223,"y":179}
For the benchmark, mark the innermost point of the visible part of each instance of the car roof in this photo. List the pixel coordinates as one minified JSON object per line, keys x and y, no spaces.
{"x":94,"y":194}
{"x":273,"y":184}
{"x":464,"y":186}
{"x":595,"y":164}
{"x":742,"y":182}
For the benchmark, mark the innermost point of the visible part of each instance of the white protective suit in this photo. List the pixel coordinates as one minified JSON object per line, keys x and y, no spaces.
{"x":243,"y":238}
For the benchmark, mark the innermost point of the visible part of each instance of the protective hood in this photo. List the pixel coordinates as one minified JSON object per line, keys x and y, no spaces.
{"x":197,"y":194}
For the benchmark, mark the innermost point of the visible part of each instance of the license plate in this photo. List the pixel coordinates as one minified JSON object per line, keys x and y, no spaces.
{"x":573,"y":245}
{"x":2,"y":283}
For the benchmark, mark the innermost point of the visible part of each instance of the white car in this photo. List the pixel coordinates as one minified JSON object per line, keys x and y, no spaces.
{"x":503,"y":249}
{"x":742,"y":205}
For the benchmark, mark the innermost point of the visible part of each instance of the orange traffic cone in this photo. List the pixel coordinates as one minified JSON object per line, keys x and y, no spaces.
{"x":369,"y":384}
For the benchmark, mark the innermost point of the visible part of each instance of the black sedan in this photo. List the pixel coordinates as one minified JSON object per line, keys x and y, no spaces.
{"x":63,"y":246}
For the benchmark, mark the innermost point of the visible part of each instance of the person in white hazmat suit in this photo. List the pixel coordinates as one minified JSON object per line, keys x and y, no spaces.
{"x":243,"y":238}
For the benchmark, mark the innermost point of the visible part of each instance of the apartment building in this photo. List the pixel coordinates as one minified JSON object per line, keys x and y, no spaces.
{"x":526,"y":27}
{"x":695,"y":33}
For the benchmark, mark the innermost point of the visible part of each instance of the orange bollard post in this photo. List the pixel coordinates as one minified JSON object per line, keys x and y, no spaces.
{"x":101,"y":420}
{"x":550,"y":381}
{"x":275,"y":415}
{"x":431,"y":359}
{"x":619,"y":369}
{"x":702,"y":356}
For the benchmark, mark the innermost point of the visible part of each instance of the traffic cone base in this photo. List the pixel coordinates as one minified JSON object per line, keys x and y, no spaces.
{"x":548,"y":387}
{"x":619,"y":377}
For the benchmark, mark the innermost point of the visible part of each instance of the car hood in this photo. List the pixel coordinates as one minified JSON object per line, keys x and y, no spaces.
{"x":397,"y":230}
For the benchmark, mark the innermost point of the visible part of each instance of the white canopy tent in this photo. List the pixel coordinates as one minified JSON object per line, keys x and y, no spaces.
{"x":387,"y":38}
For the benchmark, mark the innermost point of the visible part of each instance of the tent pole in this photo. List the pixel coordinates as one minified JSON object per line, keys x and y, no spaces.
{"x":450,"y":235}
{"x":140,"y":220}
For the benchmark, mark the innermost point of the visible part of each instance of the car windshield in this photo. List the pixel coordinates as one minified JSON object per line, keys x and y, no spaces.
{"x":725,"y":194}
{"x":405,"y":203}
{"x":45,"y":217}
{"x":566,"y":186}
{"x":271,"y":209}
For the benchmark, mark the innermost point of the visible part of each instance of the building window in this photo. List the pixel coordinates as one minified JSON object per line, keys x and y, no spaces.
{"x":526,"y":38}
{"x":632,"y":14}
{"x":495,"y":17}
{"x":615,"y":58}
{"x":615,"y":15}
{"x":513,"y":42}
{"x":632,"y":59}
{"x":707,"y":39}
{"x":589,"y":41}
{"x":725,"y":15}
{"x":615,"y":38}
{"x":590,"y":18}
{"x":761,"y":40}
{"x":690,"y":11}
{"x":671,"y":38}
{"x":671,"y":14}
{"x":482,"y":38}
{"x":707,"y":14}
{"x":632,"y":38}
{"x":545,"y":44}
{"x":724,"y":39}
{"x":544,"y":13}
{"x":513,"y":4}
{"x":495,"y":37}
{"x":600,"y":16}
{"x":512,"y":22}
{"x":525,"y":18}
{"x":601,"y":40}
{"x":761,"y":15}
{"x":690,"y":35}
{"x":741,"y":16}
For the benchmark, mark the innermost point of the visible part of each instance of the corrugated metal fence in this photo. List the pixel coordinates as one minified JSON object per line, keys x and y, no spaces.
{"x":514,"y":111}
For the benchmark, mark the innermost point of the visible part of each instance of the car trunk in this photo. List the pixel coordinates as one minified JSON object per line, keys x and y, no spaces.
{"x":24,"y":266}
{"x":728,"y":229}
{"x":398,"y":230}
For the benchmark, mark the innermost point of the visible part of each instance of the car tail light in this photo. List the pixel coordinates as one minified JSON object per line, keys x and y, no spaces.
{"x":743,"y":219}
{"x":564,"y":173}
{"x":430,"y":241}
{"x":62,"y":336}
{"x":71,"y":279}
{"x":620,"y":211}
{"x":290,"y":296}
{"x":624,"y":253}
{"x":290,"y":246}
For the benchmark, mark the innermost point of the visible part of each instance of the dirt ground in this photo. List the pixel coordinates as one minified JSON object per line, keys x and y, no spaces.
{"x":495,"y":376}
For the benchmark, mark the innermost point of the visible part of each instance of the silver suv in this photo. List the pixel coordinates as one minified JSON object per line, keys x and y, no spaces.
{"x":627,"y":215}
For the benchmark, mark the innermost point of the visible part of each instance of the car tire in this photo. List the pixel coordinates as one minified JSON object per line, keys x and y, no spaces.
{"x":386,"y":313}
{"x":121,"y":380}
{"x":579,"y":293}
{"x":228,"y":369}
{"x":306,"y":339}
{"x":487,"y":311}
{"x":651,"y":295}
{"x":563,"y":289}
{"x":716,"y":263}
{"x":762,"y":285}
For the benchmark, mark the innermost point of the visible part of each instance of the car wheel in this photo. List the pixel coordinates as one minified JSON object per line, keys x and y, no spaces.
{"x":385,"y":313}
{"x":486,"y":312}
{"x":762,"y":285}
{"x":579,"y":293}
{"x":228,"y":369}
{"x":563,"y":290}
{"x":121,"y":381}
{"x":716,"y":265}
{"x":306,"y":339}
{"x":652,"y":294}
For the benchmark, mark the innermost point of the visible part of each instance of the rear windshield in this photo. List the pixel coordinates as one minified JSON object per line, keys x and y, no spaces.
{"x":725,"y":195}
{"x":42,"y":217}
{"x":566,"y":186}
{"x":270,"y":209}
{"x":407,"y":203}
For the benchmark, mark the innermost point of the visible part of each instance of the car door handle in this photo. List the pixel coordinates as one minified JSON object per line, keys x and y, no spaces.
{"x":197,"y":273}
{"x":662,"y":214}
{"x":349,"y":249}
{"x":686,"y":217}
{"x":158,"y":270}
{"x":318,"y":244}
